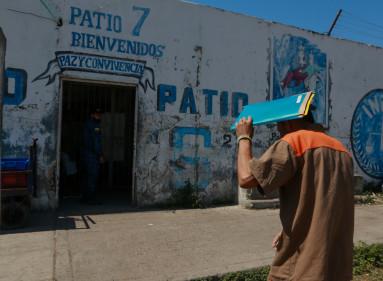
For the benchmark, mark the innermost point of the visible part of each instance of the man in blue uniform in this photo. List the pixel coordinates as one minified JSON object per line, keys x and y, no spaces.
{"x":91,"y":155}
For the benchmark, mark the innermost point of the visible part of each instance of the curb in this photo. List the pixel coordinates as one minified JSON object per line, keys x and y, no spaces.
{"x":260,"y":204}
{"x":274,"y":203}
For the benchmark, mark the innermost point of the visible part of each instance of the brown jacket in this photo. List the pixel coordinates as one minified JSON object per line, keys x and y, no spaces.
{"x":314,"y":174}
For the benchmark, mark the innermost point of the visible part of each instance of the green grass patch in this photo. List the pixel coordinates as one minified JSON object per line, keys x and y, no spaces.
{"x":367,"y":266}
{"x":258,"y":274}
{"x":375,"y":275}
{"x":367,"y":258}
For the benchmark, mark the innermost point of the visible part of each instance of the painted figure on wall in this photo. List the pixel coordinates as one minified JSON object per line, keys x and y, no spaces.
{"x":300,"y":66}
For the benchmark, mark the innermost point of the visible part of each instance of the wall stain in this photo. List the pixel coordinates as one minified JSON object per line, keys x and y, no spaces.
{"x":270,"y":69}
{"x":330,"y":84}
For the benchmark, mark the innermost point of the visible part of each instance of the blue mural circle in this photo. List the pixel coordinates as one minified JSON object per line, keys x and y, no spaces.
{"x":367,"y":134}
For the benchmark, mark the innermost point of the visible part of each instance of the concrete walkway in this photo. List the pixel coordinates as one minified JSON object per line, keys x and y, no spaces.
{"x":80,"y":244}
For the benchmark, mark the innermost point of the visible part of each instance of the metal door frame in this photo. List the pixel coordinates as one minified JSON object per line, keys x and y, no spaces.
{"x":3,"y":47}
{"x":59,"y":130}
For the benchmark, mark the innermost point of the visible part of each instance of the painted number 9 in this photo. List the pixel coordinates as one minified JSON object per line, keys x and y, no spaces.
{"x":145,"y":13}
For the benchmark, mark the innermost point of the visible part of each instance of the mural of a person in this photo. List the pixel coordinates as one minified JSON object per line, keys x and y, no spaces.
{"x":312,"y":71}
{"x":296,"y":76}
{"x":300,"y":66}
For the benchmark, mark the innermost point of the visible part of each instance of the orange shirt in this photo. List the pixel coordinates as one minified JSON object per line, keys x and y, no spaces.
{"x":314,"y":174}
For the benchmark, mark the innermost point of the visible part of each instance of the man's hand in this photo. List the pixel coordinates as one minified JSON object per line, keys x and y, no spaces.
{"x":277,"y":241}
{"x":245,"y":177}
{"x":245,"y":127}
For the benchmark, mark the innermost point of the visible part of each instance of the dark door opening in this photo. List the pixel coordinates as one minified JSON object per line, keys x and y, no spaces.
{"x":117,"y":126}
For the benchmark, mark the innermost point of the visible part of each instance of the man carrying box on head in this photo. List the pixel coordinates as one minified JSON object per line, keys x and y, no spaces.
{"x":314,"y":175}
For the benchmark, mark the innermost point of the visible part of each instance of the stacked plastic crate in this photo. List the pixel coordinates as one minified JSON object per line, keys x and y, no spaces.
{"x":15,"y":191}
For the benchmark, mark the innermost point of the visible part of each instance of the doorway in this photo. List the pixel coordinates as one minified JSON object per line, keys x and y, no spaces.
{"x":117,"y":104}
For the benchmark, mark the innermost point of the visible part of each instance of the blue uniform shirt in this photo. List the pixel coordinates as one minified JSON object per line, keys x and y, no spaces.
{"x":92,"y":138}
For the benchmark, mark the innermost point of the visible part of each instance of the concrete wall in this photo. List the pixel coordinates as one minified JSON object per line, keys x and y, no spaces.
{"x":195,"y":67}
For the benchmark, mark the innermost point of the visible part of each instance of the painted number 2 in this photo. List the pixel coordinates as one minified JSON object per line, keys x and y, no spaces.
{"x":145,"y":13}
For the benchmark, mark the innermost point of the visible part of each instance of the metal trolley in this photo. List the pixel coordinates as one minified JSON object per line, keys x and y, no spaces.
{"x":18,"y":185}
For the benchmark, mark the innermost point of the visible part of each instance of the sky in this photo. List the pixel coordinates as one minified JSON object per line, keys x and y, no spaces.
{"x":361,"y":20}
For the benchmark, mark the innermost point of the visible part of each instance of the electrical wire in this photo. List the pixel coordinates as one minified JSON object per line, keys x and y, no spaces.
{"x":351,"y":23}
{"x":32,"y":14}
{"x":360,"y":31}
{"x":353,"y":33}
{"x":355,"y":26}
{"x":360,"y":19}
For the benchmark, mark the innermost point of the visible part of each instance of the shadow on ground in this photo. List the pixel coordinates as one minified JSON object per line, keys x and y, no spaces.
{"x":74,"y":215}
{"x":71,"y":210}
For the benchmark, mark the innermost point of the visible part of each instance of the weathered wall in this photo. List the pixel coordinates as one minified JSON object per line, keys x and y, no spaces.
{"x":195,"y":67}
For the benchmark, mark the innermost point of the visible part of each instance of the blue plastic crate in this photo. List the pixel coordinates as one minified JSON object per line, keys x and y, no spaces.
{"x":14,"y":164}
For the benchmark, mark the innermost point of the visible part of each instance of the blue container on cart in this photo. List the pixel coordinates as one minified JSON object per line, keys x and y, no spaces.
{"x":14,"y":164}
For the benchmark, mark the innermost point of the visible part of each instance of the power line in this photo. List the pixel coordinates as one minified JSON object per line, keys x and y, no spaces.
{"x":353,"y":31}
{"x":363,"y":20}
{"x":355,"y":26}
{"x":360,"y":30}
{"x":365,"y":26}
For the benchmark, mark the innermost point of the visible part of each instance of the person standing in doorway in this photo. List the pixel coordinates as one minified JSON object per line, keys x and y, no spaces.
{"x":91,"y":154}
{"x":314,"y":175}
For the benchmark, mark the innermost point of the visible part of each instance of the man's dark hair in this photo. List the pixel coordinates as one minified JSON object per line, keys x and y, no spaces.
{"x":310,"y":117}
